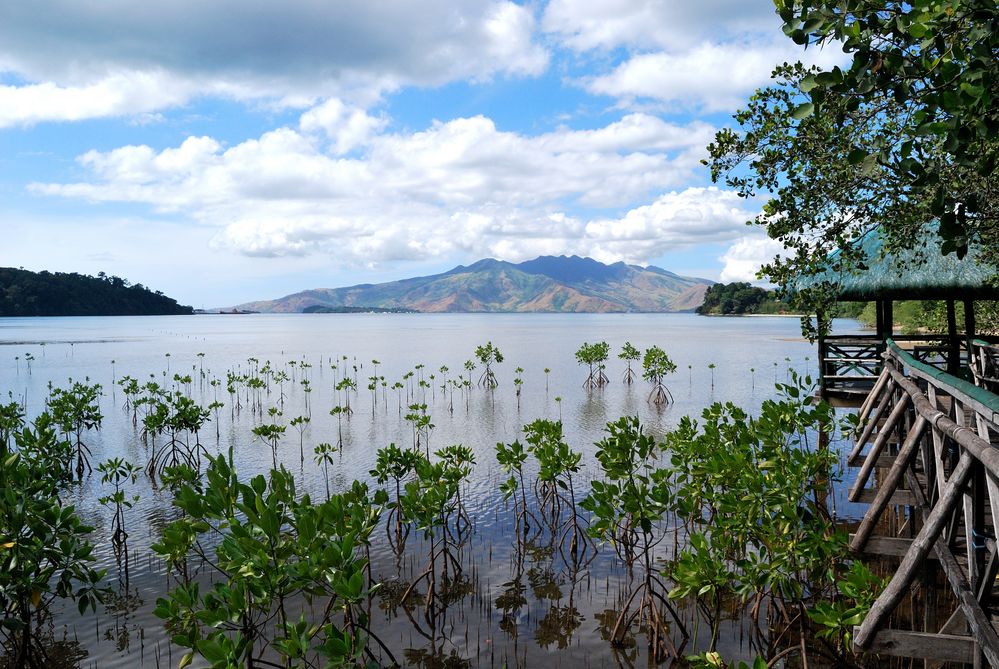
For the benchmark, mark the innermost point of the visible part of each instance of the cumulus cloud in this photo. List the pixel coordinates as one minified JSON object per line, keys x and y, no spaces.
{"x":340,"y":184}
{"x":585,"y":25}
{"x":744,"y":258}
{"x":708,"y":76}
{"x":78,"y":60}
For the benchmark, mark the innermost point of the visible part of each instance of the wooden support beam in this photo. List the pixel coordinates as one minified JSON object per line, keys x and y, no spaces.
{"x":868,"y":404}
{"x":877,"y":446}
{"x":898,"y":587}
{"x":925,"y":645}
{"x":889,"y":485}
{"x":865,"y":435}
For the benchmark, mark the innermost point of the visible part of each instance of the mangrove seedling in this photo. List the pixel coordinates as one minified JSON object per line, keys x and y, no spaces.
{"x":629,"y":354}
{"x":77,"y":410}
{"x":628,"y":507}
{"x":488,"y":355}
{"x":595,"y":357}
{"x":656,"y":365}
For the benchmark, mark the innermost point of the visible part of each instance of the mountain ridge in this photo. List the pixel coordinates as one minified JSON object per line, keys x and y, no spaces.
{"x":551,"y":284}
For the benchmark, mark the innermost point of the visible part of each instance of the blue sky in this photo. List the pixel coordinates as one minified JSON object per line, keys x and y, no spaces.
{"x":229,"y":151}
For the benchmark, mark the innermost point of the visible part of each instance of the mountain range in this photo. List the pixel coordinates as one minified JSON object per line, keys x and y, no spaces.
{"x":545,"y":284}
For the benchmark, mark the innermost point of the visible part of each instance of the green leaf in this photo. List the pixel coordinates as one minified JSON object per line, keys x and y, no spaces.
{"x":803,"y":111}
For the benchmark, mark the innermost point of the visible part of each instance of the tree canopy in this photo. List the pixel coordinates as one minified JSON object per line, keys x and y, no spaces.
{"x":24,"y":293}
{"x":903,"y":135}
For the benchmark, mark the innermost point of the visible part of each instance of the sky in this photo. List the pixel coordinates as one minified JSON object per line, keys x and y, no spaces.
{"x":236,"y":150}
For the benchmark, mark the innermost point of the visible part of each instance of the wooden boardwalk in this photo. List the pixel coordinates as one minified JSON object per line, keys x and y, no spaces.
{"x":928,"y":458}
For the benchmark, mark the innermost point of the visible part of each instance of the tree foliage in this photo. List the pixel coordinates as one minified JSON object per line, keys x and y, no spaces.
{"x":737,"y":298}
{"x":24,"y":293}
{"x":903,"y":136}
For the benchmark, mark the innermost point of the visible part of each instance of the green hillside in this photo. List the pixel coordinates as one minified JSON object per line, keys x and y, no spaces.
{"x":25,"y":293}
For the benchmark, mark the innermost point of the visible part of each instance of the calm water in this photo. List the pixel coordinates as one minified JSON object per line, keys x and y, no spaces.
{"x":105,"y":349}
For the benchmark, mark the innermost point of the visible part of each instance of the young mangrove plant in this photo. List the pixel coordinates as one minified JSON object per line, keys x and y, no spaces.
{"x":628,"y":507}
{"x":181,"y":419}
{"x":118,"y":472}
{"x":656,"y":366}
{"x":77,"y":410}
{"x":555,"y":490}
{"x":395,"y":464}
{"x":430,"y":502}
{"x":45,"y":553}
{"x":323,"y":456}
{"x":629,"y":354}
{"x":751,"y":494}
{"x":595,"y":357}
{"x":488,"y":355}
{"x":300,"y":423}
{"x":267,"y":549}
{"x":270,"y":434}
{"x":422,"y":427}
{"x":511,"y":458}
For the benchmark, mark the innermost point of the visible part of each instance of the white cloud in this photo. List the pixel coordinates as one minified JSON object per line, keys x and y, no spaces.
{"x":75,"y":60}
{"x":585,"y":25}
{"x":339,"y":184}
{"x":709,"y":76}
{"x":744,"y":258}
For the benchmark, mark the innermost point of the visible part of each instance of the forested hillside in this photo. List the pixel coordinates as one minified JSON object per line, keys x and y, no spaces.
{"x":25,"y":293}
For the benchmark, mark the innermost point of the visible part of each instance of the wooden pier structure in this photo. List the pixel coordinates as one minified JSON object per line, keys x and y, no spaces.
{"x":928,"y":445}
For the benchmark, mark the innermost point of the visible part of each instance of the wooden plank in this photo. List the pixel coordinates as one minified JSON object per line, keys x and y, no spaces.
{"x":883,"y":462}
{"x":900,"y":497}
{"x":925,"y":645}
{"x":878,"y":546}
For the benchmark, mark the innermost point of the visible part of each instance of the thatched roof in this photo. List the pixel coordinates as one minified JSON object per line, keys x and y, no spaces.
{"x":920,"y":273}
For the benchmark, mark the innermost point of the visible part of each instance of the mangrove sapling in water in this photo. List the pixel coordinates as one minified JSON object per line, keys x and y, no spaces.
{"x":45,"y":553}
{"x":629,"y":354}
{"x":422,"y":427}
{"x":11,"y":420}
{"x":324,"y":457}
{"x":181,"y":418}
{"x":77,"y":410}
{"x":488,"y":355}
{"x":556,"y":465}
{"x":300,"y":423}
{"x":298,"y":549}
{"x":270,"y":434}
{"x":518,"y":381}
{"x":751,"y":494}
{"x":429,"y":503}
{"x":117,"y":472}
{"x":629,"y":507}
{"x":656,"y":366}
{"x":396,"y":464}
{"x":511,"y":458}
{"x":595,"y":357}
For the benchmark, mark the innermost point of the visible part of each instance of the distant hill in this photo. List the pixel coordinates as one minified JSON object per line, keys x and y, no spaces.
{"x":545,"y":284}
{"x":738,"y":298}
{"x":25,"y":293}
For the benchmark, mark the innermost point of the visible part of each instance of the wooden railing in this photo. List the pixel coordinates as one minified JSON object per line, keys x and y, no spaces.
{"x":933,"y":436}
{"x":985,"y":364}
{"x":852,"y":363}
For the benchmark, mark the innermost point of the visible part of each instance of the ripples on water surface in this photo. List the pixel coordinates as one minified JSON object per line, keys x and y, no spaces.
{"x":103,"y":349}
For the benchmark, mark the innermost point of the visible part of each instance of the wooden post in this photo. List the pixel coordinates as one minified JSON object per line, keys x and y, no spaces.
{"x":969,"y":326}
{"x":953,"y":357}
{"x":889,"y":319}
